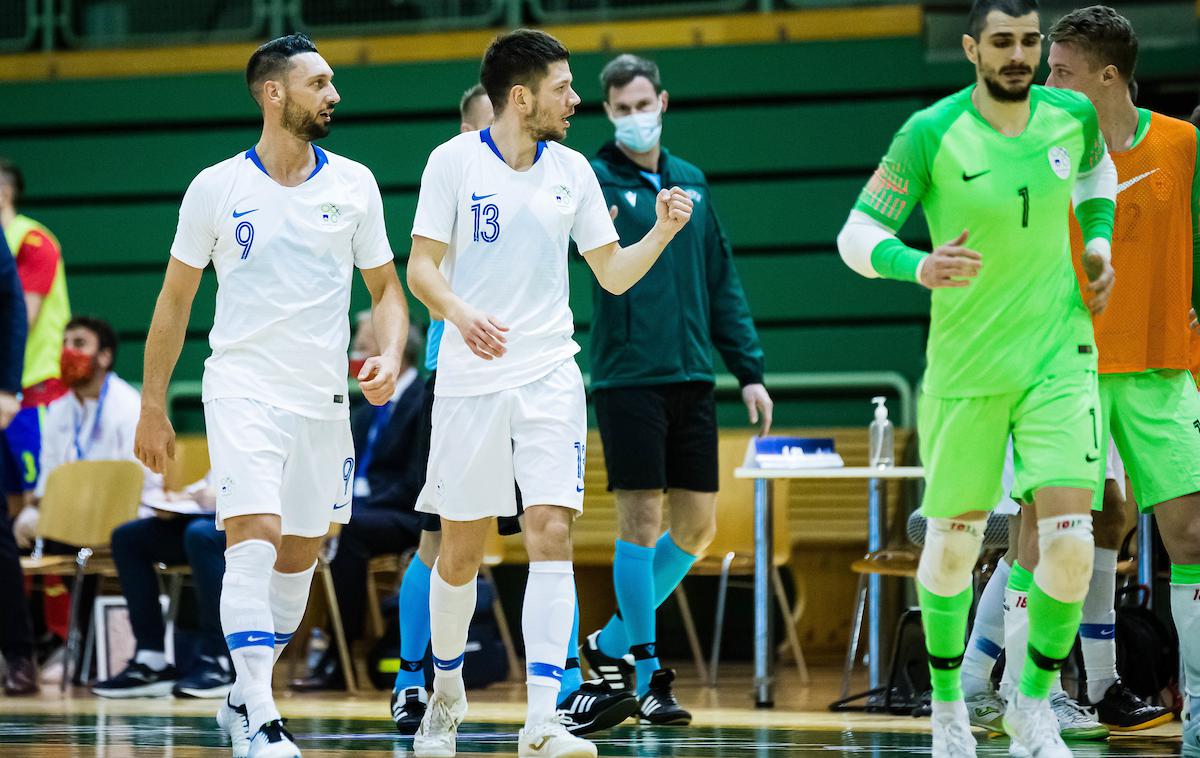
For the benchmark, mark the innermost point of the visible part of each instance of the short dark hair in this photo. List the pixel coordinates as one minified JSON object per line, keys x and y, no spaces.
{"x":522,"y":56}
{"x":273,"y":58}
{"x":977,"y":19}
{"x":625,"y":68}
{"x":12,"y":174}
{"x":99,"y":327}
{"x":1103,"y":35}
{"x":467,"y":97}
{"x":1195,"y":117}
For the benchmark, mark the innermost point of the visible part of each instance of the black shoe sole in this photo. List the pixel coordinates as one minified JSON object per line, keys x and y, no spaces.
{"x":677,"y":720}
{"x":607,"y":716}
{"x":1165,"y":718}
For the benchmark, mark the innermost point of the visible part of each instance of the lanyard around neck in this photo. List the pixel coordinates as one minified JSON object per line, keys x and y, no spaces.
{"x":81,"y":451}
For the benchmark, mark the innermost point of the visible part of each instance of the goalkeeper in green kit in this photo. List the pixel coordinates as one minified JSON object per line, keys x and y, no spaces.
{"x":997,"y":168}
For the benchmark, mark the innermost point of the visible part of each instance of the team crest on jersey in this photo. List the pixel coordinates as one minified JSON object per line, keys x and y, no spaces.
{"x":562,"y":196}
{"x":631,"y":198}
{"x":329,"y":213}
{"x":695,"y":195}
{"x":1060,"y":162}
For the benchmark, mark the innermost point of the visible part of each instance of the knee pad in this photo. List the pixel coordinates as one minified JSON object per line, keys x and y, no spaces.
{"x":1067,"y":550}
{"x":951,"y":550}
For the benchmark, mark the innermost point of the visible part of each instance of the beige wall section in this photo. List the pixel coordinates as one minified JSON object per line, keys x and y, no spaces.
{"x":734,"y":29}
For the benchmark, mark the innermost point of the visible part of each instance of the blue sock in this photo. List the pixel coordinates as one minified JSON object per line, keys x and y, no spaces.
{"x":572,"y":674}
{"x":671,"y":564}
{"x":414,"y":625}
{"x":633,"y":578}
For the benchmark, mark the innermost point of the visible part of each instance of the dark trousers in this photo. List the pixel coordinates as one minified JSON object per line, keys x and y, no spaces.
{"x":193,"y":540}
{"x":16,"y":627}
{"x":371,"y":532}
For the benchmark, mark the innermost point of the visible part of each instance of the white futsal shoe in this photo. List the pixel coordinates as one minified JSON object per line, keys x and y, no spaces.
{"x":952,"y":737}
{"x":437,"y":737}
{"x":1033,"y":729}
{"x":273,"y":740}
{"x":550,"y":739}
{"x":234,"y":721}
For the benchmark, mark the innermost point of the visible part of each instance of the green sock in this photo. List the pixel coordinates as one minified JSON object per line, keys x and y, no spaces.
{"x":1053,"y":625}
{"x":945,"y":622}
{"x":1020,"y":579}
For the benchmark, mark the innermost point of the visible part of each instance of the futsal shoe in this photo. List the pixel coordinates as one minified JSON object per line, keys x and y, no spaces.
{"x":1121,"y":710}
{"x":408,"y":708}
{"x":617,"y":673}
{"x":986,"y":710}
{"x":550,"y":739}
{"x":1033,"y":729}
{"x":659,"y":706}
{"x":1074,"y":721}
{"x":138,"y":680}
{"x":952,"y":736}
{"x":213,"y":677}
{"x":273,"y":740}
{"x":437,"y":736}
{"x":595,"y":707}
{"x":234,"y":721}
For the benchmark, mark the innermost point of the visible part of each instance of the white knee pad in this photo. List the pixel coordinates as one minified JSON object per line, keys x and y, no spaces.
{"x":1067,"y":550}
{"x":951,"y":550}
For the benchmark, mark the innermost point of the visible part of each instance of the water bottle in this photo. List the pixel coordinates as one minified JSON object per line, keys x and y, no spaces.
{"x":881,"y":445}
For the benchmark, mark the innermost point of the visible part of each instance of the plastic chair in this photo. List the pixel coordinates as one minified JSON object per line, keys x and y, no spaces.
{"x":84,"y":502}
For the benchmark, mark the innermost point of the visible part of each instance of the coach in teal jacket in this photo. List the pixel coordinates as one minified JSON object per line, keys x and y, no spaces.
{"x":652,"y":382}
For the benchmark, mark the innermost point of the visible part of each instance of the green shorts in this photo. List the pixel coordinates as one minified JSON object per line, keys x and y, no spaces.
{"x":1154,"y":419}
{"x":1055,"y":426}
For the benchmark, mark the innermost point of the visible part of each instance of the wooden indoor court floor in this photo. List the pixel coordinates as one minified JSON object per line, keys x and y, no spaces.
{"x":332,"y":724}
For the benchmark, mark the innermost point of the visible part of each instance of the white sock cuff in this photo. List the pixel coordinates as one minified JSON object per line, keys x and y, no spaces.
{"x":248,"y":550}
{"x":304,"y":575}
{"x":436,"y":580}
{"x":1105,"y":560}
{"x":552,"y":567}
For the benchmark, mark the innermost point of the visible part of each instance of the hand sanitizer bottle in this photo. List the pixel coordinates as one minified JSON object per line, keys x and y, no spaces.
{"x":881,"y":445}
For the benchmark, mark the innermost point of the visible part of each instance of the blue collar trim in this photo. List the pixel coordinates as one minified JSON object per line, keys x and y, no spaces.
{"x":322,"y":160}
{"x":485,"y":136}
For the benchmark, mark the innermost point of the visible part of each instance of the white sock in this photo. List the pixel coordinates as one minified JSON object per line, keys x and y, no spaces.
{"x":1097,"y":630}
{"x":546,"y":619}
{"x":944,"y":710}
{"x":153,"y":659}
{"x":987,"y":635}
{"x":248,"y":625}
{"x":450,"y":611}
{"x":1016,"y":640}
{"x":1185,"y":607}
{"x":289,"y":598}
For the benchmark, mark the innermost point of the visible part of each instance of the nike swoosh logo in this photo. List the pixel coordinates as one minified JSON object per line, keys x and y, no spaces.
{"x":578,"y":488}
{"x":477,"y":198}
{"x":243,"y":213}
{"x":1126,"y":185}
{"x":971,"y":177}
{"x":337,"y":507}
{"x":256,"y":639}
{"x":1090,"y":458}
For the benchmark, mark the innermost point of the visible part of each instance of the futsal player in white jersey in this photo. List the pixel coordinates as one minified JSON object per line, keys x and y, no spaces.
{"x":495,"y":212}
{"x":284,"y":224}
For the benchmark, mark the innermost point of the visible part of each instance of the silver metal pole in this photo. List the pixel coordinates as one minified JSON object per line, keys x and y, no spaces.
{"x":763,"y":560}
{"x":1145,"y":565}
{"x":876,"y":518}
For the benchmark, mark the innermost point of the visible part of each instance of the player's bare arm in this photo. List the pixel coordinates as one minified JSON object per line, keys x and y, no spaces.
{"x":154,"y":442}
{"x":389,"y":315}
{"x":484,"y":334}
{"x":619,"y":268}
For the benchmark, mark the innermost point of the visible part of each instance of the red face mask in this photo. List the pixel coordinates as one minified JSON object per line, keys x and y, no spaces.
{"x":77,"y":367}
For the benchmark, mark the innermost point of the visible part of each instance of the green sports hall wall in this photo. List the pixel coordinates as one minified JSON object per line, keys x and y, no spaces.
{"x":787,"y":133}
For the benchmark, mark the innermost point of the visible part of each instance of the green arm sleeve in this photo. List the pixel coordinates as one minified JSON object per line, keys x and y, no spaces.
{"x":1096,"y":218}
{"x":895,"y":260}
{"x":1196,"y":229}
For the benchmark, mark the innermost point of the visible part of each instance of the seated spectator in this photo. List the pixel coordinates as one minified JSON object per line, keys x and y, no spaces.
{"x":96,"y":420}
{"x":182,"y":531}
{"x":391,"y":470}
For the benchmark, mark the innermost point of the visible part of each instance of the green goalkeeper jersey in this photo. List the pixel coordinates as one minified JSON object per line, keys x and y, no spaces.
{"x":1023,"y":318}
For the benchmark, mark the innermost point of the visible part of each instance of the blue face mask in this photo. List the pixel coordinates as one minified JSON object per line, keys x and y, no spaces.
{"x":640,"y":132}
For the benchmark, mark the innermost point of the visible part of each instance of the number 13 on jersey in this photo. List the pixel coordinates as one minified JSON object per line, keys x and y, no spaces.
{"x":487,"y":222}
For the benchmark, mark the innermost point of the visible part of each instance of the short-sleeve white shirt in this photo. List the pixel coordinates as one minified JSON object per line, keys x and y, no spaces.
{"x":507,"y":233}
{"x":284,"y":258}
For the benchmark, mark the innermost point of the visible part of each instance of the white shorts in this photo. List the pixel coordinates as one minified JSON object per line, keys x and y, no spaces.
{"x":1114,"y":470}
{"x":268,"y":460}
{"x":534,"y":434}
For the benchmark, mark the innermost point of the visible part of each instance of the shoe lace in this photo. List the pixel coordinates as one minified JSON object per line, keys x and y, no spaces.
{"x":1063,"y":706}
{"x":440,"y":718}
